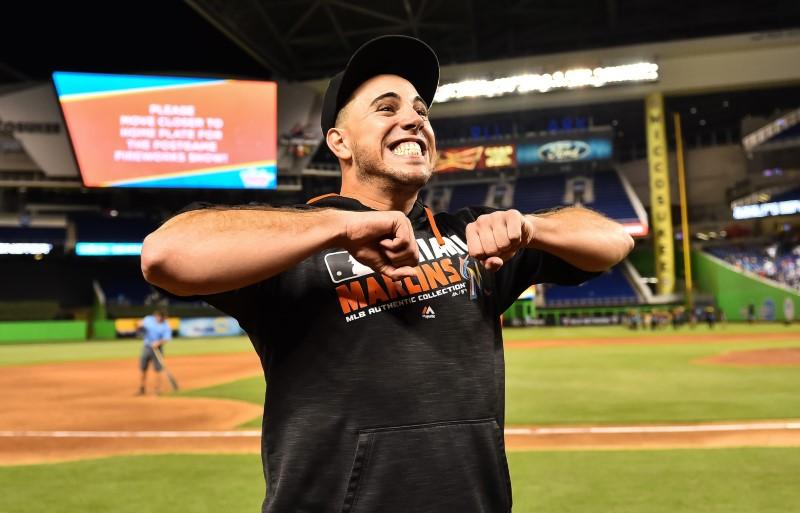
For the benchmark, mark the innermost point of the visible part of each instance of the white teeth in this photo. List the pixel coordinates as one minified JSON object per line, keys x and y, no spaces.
{"x":408,"y":148}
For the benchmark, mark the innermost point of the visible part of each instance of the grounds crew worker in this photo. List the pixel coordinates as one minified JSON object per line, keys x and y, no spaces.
{"x":377,"y":322}
{"x":157,"y":332}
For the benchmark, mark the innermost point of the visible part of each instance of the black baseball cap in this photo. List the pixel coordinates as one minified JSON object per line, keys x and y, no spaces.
{"x":404,"y":56}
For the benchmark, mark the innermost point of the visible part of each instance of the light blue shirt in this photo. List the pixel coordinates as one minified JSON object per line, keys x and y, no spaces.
{"x":155,"y":331}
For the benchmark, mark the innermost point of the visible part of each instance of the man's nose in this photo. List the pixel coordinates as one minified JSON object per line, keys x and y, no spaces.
{"x":411,"y":120}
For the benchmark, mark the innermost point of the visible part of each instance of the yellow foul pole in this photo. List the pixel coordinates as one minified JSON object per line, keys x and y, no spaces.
{"x":687,"y":257}
{"x":660,"y":205}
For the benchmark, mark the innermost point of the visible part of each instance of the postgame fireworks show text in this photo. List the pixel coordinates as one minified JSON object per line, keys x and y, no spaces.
{"x":170,"y":132}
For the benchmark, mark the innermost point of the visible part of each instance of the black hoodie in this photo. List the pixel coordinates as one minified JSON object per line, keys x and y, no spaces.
{"x":387,"y":397}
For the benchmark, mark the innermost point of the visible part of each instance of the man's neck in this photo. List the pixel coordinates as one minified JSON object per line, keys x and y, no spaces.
{"x":380,"y":199}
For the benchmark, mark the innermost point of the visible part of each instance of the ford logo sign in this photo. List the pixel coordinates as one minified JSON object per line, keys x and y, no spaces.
{"x":564,"y":151}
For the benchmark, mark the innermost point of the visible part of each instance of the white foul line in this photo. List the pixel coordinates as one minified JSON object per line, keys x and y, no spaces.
{"x":130,"y":434}
{"x":595,"y":430}
{"x":696,"y":428}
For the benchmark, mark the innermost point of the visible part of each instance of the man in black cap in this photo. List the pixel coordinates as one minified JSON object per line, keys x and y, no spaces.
{"x":376,"y":321}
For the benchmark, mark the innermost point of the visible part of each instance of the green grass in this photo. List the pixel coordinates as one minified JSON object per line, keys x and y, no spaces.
{"x":540,"y":333}
{"x":136,"y":484}
{"x":26,"y":354}
{"x":749,"y":480}
{"x":644,"y":383}
{"x":29,"y":353}
{"x":249,"y":390}
{"x":555,"y":385}
{"x":620,"y":384}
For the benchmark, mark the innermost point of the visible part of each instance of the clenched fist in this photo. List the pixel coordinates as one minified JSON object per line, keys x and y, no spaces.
{"x":383,"y":241}
{"x":495,"y":238}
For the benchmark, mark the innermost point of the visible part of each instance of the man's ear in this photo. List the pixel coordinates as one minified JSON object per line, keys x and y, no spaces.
{"x":338,"y":143}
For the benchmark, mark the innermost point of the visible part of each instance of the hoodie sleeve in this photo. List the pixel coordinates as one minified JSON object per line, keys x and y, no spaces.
{"x":527,"y":267}
{"x":245,"y":304}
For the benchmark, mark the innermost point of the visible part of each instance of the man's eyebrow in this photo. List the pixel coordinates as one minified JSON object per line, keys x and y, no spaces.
{"x":393,"y":95}
{"x":390,"y":94}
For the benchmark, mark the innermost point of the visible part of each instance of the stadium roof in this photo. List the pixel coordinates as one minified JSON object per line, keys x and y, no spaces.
{"x":309,"y":39}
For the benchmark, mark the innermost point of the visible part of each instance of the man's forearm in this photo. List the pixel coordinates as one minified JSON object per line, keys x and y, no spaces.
{"x":581,"y":237}
{"x":216,"y":250}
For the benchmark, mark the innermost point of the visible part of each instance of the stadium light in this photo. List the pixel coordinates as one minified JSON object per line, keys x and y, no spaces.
{"x":542,"y":83}
{"x":25,"y":248}
{"x":108,"y":248}
{"x":780,"y":208}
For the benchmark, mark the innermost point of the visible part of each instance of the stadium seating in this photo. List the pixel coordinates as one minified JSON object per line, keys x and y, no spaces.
{"x":611,"y":198}
{"x":468,"y":195}
{"x":776,"y":261}
{"x":610,"y":288}
{"x":602,"y":191}
{"x":532,"y":193}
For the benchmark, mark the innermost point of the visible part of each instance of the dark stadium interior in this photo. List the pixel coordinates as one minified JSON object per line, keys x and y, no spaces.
{"x":293,"y":41}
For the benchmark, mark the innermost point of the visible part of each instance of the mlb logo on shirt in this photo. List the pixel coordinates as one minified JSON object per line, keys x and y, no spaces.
{"x":428,"y":313}
{"x":343,"y":267}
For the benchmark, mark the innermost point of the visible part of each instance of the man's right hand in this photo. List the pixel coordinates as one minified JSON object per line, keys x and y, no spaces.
{"x":383,"y":241}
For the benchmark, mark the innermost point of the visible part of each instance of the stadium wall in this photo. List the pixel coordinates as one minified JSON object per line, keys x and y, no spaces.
{"x":735,"y":290}
{"x":42,"y":331}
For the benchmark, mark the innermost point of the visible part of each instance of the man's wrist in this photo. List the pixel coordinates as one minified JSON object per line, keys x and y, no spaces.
{"x":336,"y":226}
{"x":539,"y":228}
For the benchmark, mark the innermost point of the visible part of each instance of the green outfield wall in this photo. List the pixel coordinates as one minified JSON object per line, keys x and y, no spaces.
{"x":42,"y":331}
{"x":735,"y":290}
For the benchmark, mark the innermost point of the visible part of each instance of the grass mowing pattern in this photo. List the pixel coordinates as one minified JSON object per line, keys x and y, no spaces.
{"x":136,"y":484}
{"x":747,"y":480}
{"x":641,"y":383}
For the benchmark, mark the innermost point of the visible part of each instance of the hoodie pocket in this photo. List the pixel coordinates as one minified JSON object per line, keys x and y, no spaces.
{"x":443,"y":467}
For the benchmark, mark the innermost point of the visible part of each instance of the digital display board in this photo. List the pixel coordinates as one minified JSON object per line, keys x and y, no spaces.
{"x":564,"y":150}
{"x":476,"y":157}
{"x":170,"y":132}
{"x":530,"y":151}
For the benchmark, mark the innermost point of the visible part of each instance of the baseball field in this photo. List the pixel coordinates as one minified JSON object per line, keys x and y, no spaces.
{"x":598,"y":420}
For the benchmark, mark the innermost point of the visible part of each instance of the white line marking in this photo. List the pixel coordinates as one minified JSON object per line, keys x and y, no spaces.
{"x":697,"y":428}
{"x":594,"y":430}
{"x":130,"y":434}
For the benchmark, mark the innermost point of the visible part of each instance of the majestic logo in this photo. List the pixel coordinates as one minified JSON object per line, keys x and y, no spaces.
{"x":564,"y":151}
{"x":428,"y":313}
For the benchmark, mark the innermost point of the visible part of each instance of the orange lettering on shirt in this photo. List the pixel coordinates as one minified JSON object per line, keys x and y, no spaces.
{"x":454,"y":275}
{"x":374,"y":291}
{"x":435,"y":274}
{"x":412,"y":287}
{"x":395,"y":288}
{"x":422,"y":281}
{"x":351,"y":297}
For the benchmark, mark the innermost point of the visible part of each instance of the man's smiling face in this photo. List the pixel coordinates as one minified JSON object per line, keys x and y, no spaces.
{"x":386,"y":125}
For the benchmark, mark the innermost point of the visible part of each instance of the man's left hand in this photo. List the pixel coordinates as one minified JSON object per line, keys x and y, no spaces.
{"x":493,"y":239}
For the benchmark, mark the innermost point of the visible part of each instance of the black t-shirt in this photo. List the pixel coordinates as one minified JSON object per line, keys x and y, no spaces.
{"x":387,"y":396}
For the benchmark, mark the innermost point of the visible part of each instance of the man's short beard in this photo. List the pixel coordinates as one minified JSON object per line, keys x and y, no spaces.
{"x":371,"y":169}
